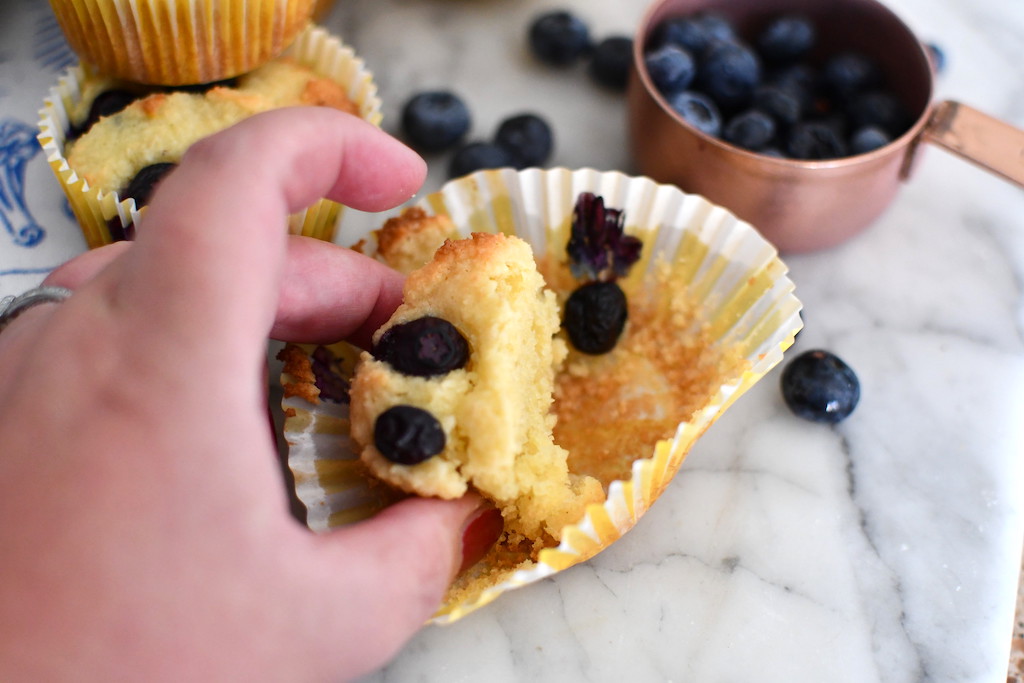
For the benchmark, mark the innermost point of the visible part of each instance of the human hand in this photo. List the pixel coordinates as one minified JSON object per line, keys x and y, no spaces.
{"x":145,"y":528}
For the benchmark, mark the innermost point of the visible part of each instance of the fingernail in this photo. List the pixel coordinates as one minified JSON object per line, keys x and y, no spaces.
{"x":482,"y":530}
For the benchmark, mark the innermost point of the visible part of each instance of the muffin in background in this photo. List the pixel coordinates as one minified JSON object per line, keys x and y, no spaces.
{"x":179,"y":42}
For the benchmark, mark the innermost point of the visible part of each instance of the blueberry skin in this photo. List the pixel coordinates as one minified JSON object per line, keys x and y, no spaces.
{"x":867,"y":139}
{"x":107,"y":103}
{"x":818,"y":386}
{"x":435,"y":120}
{"x":476,"y":156}
{"x":880,"y":109}
{"x":558,"y":38}
{"x":938,"y":57}
{"x":698,"y":110}
{"x":408,"y":435}
{"x":526,"y":138}
{"x":594,"y":316}
{"x":848,"y":73}
{"x":671,"y":68}
{"x":729,"y":72}
{"x":815,"y":140}
{"x":779,"y":103}
{"x":141,"y":187}
{"x":685,"y":32}
{"x":610,"y":62}
{"x":423,"y":347}
{"x":717,"y":26}
{"x":753,"y":129}
{"x":786,"y":38}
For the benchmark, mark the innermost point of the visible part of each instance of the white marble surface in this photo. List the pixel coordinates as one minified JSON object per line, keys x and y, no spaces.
{"x":886,"y":548}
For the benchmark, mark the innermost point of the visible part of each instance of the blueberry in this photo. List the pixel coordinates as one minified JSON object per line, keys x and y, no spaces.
{"x":786,"y":38}
{"x":800,"y":80}
{"x":475,"y":156}
{"x":559,"y":38}
{"x":814,"y":140}
{"x":938,"y":57}
{"x":753,"y":129}
{"x":867,"y":139}
{"x":716,"y":26}
{"x":671,"y":68}
{"x":698,"y":110}
{"x":526,"y":138}
{"x":107,"y":103}
{"x":407,"y":435}
{"x":817,"y":385}
{"x":685,"y":32}
{"x":435,"y":120}
{"x":609,"y":65}
{"x":880,"y":109}
{"x":729,"y":72}
{"x":847,"y":73}
{"x":142,"y":185}
{"x":424,"y":347}
{"x":595,"y":315}
{"x":779,"y":103}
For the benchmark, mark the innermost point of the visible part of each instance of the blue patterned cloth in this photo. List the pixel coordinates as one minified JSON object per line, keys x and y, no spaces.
{"x":37,"y":230}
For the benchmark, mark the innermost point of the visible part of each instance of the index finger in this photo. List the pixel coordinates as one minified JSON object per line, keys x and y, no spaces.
{"x":211,"y":247}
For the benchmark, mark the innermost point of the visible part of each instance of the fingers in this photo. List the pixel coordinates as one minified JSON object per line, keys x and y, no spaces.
{"x":330,"y":293}
{"x":407,"y":558}
{"x":211,"y":248}
{"x":85,"y":266}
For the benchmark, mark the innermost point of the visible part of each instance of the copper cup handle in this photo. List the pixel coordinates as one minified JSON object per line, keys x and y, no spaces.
{"x":994,"y":145}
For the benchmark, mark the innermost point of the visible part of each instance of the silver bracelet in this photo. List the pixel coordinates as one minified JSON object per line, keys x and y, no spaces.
{"x":13,"y":306}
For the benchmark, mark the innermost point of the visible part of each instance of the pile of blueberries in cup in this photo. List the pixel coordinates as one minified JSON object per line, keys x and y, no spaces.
{"x":762,"y":93}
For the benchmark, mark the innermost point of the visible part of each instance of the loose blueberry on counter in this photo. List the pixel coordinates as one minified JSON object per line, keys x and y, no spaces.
{"x":594,"y":317}
{"x":671,"y":68}
{"x":815,"y":140}
{"x":559,"y":38}
{"x":408,"y":435}
{"x":867,"y":139}
{"x":477,"y":156}
{"x":752,"y":130}
{"x":526,"y":138}
{"x":610,"y":62}
{"x":424,"y":347}
{"x":728,"y":72}
{"x":698,"y":110}
{"x":435,"y":120}
{"x":786,"y":38}
{"x":142,"y":185}
{"x":817,"y":385}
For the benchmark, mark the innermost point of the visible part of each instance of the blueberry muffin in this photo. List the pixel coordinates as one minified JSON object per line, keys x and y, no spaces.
{"x":457,"y":392}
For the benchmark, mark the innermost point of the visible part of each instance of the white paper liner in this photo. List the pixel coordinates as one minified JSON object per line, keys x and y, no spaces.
{"x":736,"y":275}
{"x":93,"y":206}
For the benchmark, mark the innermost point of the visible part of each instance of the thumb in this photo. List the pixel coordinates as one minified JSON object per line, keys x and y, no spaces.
{"x":391,"y":572}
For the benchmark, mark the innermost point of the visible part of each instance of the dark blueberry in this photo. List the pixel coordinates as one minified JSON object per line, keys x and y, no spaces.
{"x":698,"y":110}
{"x":435,"y":120}
{"x":800,"y":80}
{"x":559,"y":38}
{"x":847,"y":73}
{"x":609,"y":65}
{"x":752,"y":129}
{"x":671,"y":68}
{"x":814,"y":140}
{"x":424,"y":347}
{"x":717,"y":26}
{"x":526,"y":138}
{"x":595,"y":315}
{"x":938,"y":57}
{"x":118,"y":232}
{"x":773,"y":152}
{"x":779,"y":103}
{"x":868,"y":138}
{"x":408,"y":435}
{"x":141,"y":186}
{"x":786,"y":38}
{"x":107,"y":103}
{"x":328,"y":378}
{"x":598,"y":246}
{"x":476,"y":156}
{"x":880,"y":109}
{"x":819,"y":386}
{"x":728,"y":73}
{"x":685,"y":32}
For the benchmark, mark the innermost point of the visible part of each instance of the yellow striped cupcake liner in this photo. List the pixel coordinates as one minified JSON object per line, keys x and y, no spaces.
{"x":95,"y":206}
{"x":746,"y":301}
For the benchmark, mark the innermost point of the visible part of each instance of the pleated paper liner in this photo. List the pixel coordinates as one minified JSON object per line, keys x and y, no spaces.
{"x":180,"y":42}
{"x":743,"y":299}
{"x":95,"y":207}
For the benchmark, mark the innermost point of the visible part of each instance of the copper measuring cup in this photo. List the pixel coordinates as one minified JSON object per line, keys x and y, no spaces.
{"x":806,"y":205}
